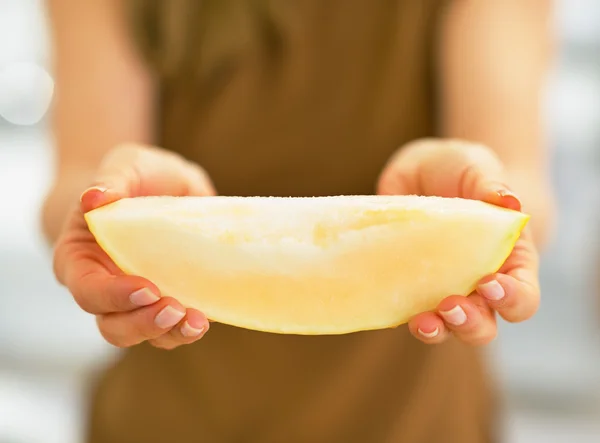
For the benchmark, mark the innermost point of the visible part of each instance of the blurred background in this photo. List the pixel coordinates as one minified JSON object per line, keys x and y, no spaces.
{"x":549,"y":367}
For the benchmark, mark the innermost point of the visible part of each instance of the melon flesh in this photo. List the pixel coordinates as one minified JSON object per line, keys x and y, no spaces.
{"x":318,"y":265}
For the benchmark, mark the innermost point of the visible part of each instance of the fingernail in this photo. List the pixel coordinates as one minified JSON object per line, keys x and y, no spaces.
{"x":516,"y":202}
{"x":492,"y":290}
{"x":143,"y":297}
{"x":168,"y":317}
{"x":455,"y":316}
{"x":93,"y":188}
{"x":188,"y":331}
{"x":431,"y":334}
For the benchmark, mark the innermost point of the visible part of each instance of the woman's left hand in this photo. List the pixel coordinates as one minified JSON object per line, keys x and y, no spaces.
{"x":453,"y":168}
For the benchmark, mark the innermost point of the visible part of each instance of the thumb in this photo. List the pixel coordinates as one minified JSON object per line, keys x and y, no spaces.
{"x":131,"y":170}
{"x":449,"y":168}
{"x":468,"y":170}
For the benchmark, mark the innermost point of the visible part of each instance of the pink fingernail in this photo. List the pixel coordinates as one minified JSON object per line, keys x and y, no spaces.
{"x":93,"y":188}
{"x":431,"y":334}
{"x":516,"y":202}
{"x":168,"y":317}
{"x":189,"y":331}
{"x":143,"y":297}
{"x":455,"y":316}
{"x":492,"y":290}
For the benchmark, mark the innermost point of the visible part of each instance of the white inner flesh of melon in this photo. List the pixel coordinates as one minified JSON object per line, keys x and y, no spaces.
{"x":308,"y":265}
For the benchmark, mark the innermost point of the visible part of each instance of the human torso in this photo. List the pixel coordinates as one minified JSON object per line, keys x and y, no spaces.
{"x":299,"y":98}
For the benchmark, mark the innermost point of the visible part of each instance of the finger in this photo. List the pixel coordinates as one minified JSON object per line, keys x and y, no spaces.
{"x":135,"y":170}
{"x":514,"y":291}
{"x":95,"y":282}
{"x":190,"y":329}
{"x":467,"y":170}
{"x":477,"y":184}
{"x":469,"y":318}
{"x":429,"y":328}
{"x":515,"y":299}
{"x":448,"y":168}
{"x":98,"y":292}
{"x":124,"y":329}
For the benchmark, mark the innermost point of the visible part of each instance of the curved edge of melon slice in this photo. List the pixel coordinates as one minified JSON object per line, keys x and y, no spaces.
{"x":515,"y":233}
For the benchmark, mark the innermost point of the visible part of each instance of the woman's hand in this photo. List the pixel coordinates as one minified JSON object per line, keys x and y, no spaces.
{"x":452,"y":168}
{"x":128,"y":309}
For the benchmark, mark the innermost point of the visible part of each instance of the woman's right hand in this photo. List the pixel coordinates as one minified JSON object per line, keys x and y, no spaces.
{"x":128,"y":309}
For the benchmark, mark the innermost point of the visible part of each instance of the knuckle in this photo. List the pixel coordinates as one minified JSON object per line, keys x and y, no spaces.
{"x":200,"y":178}
{"x":469,"y":179}
{"x":83,"y":302}
{"x":119,"y":167}
{"x":522,"y":315}
{"x":83,"y":298}
{"x":112,"y":299}
{"x":88,"y":296}
{"x":393,"y":181}
{"x":144,"y":328}
{"x":142,"y":331}
{"x":477,"y":154}
{"x":476,"y":151}
{"x":123,"y":151}
{"x":165,"y":345}
{"x":490,"y":336}
{"x":483,"y":338}
{"x":113,"y":338}
{"x":518,"y":312}
{"x":85,"y":287}
{"x":504,"y":304}
{"x":523,"y":306}
{"x":471,"y":327}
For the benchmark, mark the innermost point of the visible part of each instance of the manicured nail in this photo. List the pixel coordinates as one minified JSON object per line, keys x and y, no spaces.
{"x":431,"y":334}
{"x":168,"y":317}
{"x":492,"y":290}
{"x":455,"y":316}
{"x":143,"y":297}
{"x":93,"y":188}
{"x":516,"y":204}
{"x":189,"y":331}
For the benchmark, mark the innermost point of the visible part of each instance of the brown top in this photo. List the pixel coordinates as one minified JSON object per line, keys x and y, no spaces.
{"x":293,"y":98}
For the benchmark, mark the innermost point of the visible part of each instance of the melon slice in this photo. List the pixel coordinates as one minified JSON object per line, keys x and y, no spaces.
{"x":308,"y":265}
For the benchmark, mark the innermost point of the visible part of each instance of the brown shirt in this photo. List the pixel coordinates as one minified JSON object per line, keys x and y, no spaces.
{"x":293,"y":97}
